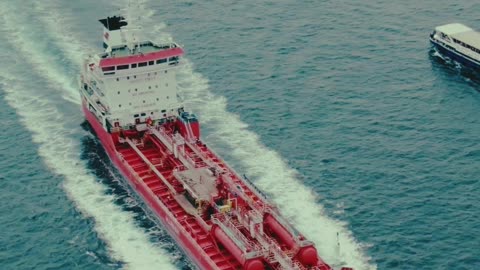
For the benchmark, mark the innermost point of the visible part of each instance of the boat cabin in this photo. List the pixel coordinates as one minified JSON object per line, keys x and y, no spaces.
{"x":460,"y":34}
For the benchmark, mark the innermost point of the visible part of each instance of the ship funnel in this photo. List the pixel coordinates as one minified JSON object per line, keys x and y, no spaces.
{"x":112,"y":34}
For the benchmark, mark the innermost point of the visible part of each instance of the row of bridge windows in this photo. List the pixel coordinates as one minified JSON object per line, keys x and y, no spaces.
{"x":171,"y":60}
{"x":466,"y":45}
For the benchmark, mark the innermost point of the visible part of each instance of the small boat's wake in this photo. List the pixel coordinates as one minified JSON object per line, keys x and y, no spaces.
{"x":452,"y":67}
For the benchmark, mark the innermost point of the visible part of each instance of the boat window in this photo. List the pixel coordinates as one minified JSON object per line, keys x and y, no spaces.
{"x":151,"y":63}
{"x":161,"y":61}
{"x":142,"y":64}
{"x":171,"y":59}
{"x":135,"y":115}
{"x":134,"y":65}
{"x":108,"y":68}
{"x":122,"y":67}
{"x":143,"y":114}
{"x":466,"y":46}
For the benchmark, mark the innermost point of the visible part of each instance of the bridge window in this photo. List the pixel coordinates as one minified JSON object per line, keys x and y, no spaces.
{"x":108,"y":68}
{"x":122,"y":67}
{"x":161,"y":61}
{"x":142,"y":64}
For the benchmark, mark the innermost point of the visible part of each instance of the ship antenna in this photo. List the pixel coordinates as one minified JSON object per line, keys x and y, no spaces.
{"x":338,"y":245}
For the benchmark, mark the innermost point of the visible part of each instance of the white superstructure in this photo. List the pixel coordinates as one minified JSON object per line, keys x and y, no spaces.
{"x":462,"y":42}
{"x":131,"y":82}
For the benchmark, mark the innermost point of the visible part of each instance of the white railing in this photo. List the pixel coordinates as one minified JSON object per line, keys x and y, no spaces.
{"x":234,"y":235}
{"x":249,"y":248}
{"x":162,"y":136}
{"x":254,"y":189}
{"x":169,"y":143}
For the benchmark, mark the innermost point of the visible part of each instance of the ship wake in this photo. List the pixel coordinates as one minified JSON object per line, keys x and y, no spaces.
{"x":40,"y":104}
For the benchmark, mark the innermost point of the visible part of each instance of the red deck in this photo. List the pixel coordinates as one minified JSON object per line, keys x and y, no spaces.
{"x":149,"y":166}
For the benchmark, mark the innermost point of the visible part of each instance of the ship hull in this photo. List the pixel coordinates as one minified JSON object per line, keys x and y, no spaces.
{"x":454,"y":54}
{"x":155,"y":206}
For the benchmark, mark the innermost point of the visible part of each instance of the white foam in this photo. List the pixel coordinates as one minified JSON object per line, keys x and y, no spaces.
{"x":36,"y":51}
{"x":64,"y":37}
{"x":61,"y":153}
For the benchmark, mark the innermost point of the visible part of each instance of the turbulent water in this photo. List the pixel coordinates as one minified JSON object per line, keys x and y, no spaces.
{"x":338,"y":110}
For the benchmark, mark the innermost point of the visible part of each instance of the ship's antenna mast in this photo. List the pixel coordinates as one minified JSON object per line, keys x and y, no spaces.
{"x":132,"y":42}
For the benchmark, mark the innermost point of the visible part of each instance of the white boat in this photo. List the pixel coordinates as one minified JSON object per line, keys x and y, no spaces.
{"x":458,"y":42}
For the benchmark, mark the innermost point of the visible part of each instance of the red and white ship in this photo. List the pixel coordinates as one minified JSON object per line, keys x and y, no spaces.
{"x":219,"y":219}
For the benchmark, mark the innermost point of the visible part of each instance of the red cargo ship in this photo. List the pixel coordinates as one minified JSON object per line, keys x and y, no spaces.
{"x":220,"y":220}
